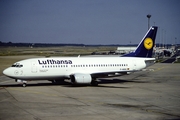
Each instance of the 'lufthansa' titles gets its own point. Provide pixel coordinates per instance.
(52, 61)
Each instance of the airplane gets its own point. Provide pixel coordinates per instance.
(84, 70)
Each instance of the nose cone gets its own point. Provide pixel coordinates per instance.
(7, 72)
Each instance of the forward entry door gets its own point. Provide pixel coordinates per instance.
(33, 67)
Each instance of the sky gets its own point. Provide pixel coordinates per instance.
(89, 22)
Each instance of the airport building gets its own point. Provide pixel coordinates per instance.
(125, 50)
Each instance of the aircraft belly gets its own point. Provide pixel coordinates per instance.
(40, 77)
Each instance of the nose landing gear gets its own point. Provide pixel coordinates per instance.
(22, 81)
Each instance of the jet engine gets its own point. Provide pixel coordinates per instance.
(81, 78)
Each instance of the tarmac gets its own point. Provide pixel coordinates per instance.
(153, 93)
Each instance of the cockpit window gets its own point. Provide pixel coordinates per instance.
(13, 65)
(18, 65)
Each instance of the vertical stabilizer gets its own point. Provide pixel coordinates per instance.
(145, 47)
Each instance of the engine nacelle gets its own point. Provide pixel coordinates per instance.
(81, 78)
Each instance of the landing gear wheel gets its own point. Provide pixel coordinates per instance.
(24, 84)
(53, 81)
(94, 83)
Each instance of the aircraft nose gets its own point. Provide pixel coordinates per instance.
(7, 72)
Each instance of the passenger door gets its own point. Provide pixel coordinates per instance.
(33, 67)
(134, 64)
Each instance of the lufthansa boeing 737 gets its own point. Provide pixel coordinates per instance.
(84, 70)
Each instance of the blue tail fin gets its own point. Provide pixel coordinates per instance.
(145, 47)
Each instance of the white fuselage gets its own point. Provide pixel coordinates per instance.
(63, 67)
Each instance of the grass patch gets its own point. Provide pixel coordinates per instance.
(53, 51)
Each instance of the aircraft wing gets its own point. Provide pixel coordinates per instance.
(110, 74)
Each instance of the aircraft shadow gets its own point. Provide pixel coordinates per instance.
(101, 83)
(109, 81)
(29, 84)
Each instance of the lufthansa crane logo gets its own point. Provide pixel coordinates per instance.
(148, 43)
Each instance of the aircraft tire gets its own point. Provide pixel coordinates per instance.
(24, 84)
(94, 83)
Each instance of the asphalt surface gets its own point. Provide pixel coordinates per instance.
(146, 95)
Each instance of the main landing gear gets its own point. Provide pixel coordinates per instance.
(24, 84)
(94, 83)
